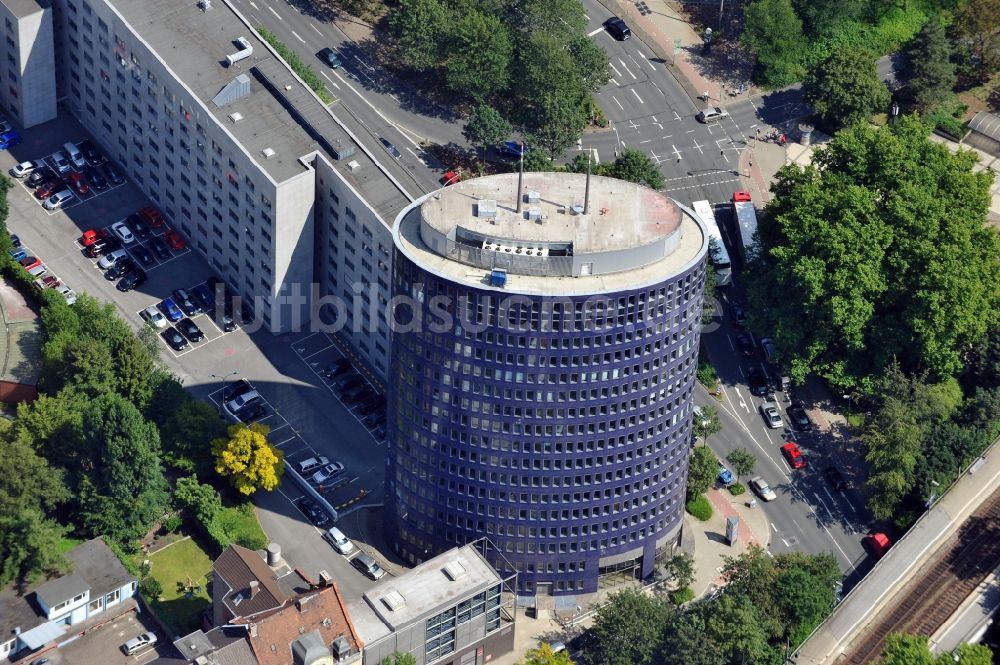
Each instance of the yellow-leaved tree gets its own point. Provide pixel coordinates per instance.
(248, 459)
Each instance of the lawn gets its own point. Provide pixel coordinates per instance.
(180, 566)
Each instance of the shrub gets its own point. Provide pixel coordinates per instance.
(707, 375)
(682, 595)
(304, 71)
(151, 588)
(172, 523)
(700, 508)
(237, 524)
(737, 488)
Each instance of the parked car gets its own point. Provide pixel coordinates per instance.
(119, 269)
(451, 176)
(757, 382)
(313, 512)
(374, 419)
(204, 295)
(48, 188)
(738, 313)
(139, 642)
(41, 175)
(311, 464)
(123, 232)
(151, 216)
(115, 176)
(67, 293)
(769, 412)
(174, 339)
(390, 148)
(18, 253)
(30, 262)
(111, 258)
(59, 199)
(90, 236)
(225, 321)
(712, 114)
(170, 308)
(348, 382)
(14, 240)
(336, 368)
(191, 330)
(174, 240)
(331, 470)
(798, 418)
(154, 317)
(835, 478)
(253, 412)
(745, 344)
(340, 542)
(140, 252)
(61, 161)
(512, 149)
(878, 543)
(762, 489)
(102, 245)
(236, 388)
(91, 152)
(767, 344)
(725, 476)
(186, 302)
(330, 57)
(78, 183)
(9, 139)
(368, 565)
(242, 401)
(617, 28)
(794, 456)
(96, 180)
(134, 278)
(159, 248)
(47, 282)
(138, 227)
(24, 168)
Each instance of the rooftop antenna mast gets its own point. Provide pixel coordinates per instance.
(520, 178)
(586, 192)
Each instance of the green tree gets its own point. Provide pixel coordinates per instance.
(824, 18)
(932, 76)
(591, 62)
(36, 484)
(742, 460)
(480, 53)
(563, 19)
(734, 624)
(686, 643)
(707, 423)
(420, 27)
(557, 124)
(543, 656)
(486, 127)
(976, 31)
(845, 88)
(969, 654)
(29, 546)
(628, 628)
(703, 467)
(187, 435)
(636, 166)
(882, 246)
(248, 459)
(535, 160)
(680, 568)
(773, 32)
(398, 658)
(903, 649)
(201, 499)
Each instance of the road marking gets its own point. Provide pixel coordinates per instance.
(730, 340)
(253, 5)
(618, 102)
(655, 121)
(677, 152)
(407, 148)
(615, 69)
(637, 96)
(297, 37)
(667, 136)
(616, 83)
(594, 32)
(676, 117)
(699, 148)
(646, 60)
(646, 141)
(316, 29)
(275, 13)
(329, 79)
(627, 69)
(597, 158)
(774, 527)
(786, 543)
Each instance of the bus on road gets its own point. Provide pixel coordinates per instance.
(746, 222)
(716, 247)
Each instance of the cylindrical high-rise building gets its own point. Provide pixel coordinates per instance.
(542, 367)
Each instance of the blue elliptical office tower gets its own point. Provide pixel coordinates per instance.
(545, 342)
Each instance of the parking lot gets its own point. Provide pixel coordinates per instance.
(102, 646)
(87, 180)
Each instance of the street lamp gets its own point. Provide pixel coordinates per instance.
(225, 379)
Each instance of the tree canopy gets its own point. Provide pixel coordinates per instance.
(903, 649)
(543, 655)
(977, 29)
(703, 467)
(932, 71)
(247, 459)
(845, 88)
(881, 245)
(773, 33)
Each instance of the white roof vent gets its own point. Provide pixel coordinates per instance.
(577, 209)
(534, 214)
(487, 209)
(353, 165)
(235, 116)
(455, 569)
(246, 50)
(268, 153)
(393, 600)
(533, 196)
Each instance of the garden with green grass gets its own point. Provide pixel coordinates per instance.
(182, 571)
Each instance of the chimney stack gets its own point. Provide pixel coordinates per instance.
(254, 588)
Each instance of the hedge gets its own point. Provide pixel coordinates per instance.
(700, 508)
(737, 488)
(682, 595)
(304, 71)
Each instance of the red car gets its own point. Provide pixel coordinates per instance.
(879, 543)
(48, 189)
(451, 177)
(49, 282)
(90, 236)
(77, 182)
(30, 262)
(151, 216)
(175, 240)
(793, 455)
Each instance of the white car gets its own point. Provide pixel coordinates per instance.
(155, 317)
(712, 114)
(58, 200)
(769, 411)
(61, 161)
(329, 471)
(67, 293)
(138, 642)
(122, 231)
(111, 258)
(24, 168)
(758, 485)
(311, 464)
(340, 542)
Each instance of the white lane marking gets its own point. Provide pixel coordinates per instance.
(316, 29)
(618, 102)
(656, 157)
(275, 13)
(774, 527)
(329, 79)
(786, 543)
(627, 69)
(364, 98)
(637, 96)
(616, 83)
(254, 5)
(646, 141)
(597, 157)
(297, 37)
(655, 120)
(676, 117)
(617, 73)
(729, 339)
(646, 60)
(594, 32)
(677, 152)
(407, 148)
(699, 148)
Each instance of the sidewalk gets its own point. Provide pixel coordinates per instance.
(710, 543)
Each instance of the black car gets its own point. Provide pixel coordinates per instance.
(252, 412)
(746, 345)
(225, 321)
(186, 302)
(835, 478)
(205, 296)
(138, 227)
(375, 418)
(40, 177)
(14, 240)
(119, 269)
(757, 382)
(236, 389)
(140, 252)
(617, 28)
(345, 383)
(190, 330)
(371, 404)
(132, 279)
(96, 180)
(738, 313)
(91, 152)
(313, 512)
(114, 175)
(799, 418)
(174, 339)
(330, 57)
(102, 246)
(159, 248)
(336, 368)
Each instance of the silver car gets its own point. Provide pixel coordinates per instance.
(712, 114)
(758, 485)
(769, 411)
(139, 642)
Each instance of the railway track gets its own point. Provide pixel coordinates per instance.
(954, 573)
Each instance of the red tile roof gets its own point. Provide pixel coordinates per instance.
(237, 567)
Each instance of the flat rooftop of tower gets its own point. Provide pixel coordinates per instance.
(630, 236)
(620, 215)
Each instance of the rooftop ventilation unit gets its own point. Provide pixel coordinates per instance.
(353, 165)
(486, 209)
(236, 89)
(324, 578)
(534, 214)
(577, 209)
(235, 116)
(246, 50)
(205, 5)
(341, 648)
(456, 569)
(532, 196)
(393, 600)
(268, 153)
